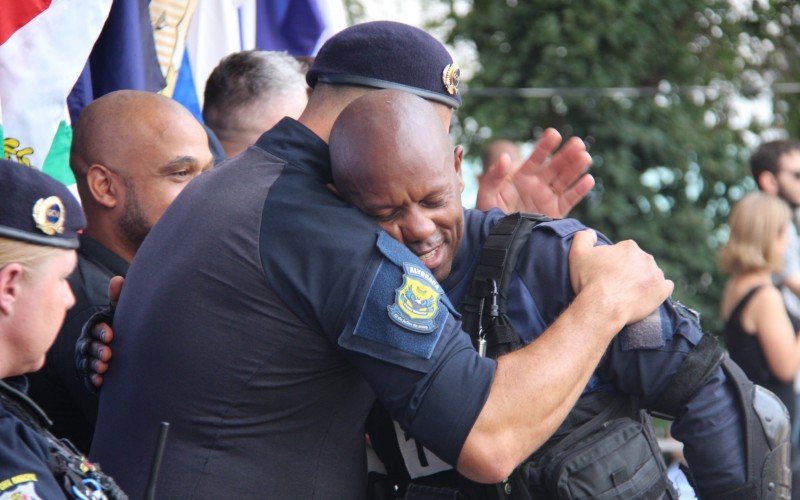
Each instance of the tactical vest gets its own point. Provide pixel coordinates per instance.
(77, 477)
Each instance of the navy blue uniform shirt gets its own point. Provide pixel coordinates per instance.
(641, 360)
(260, 317)
(24, 456)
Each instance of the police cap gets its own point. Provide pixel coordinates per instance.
(388, 55)
(35, 208)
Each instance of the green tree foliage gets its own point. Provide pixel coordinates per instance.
(667, 161)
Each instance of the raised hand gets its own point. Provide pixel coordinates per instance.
(548, 183)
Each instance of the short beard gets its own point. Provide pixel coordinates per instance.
(133, 225)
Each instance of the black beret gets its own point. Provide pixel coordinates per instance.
(35, 208)
(388, 55)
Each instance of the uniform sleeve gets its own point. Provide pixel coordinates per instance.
(642, 360)
(376, 301)
(710, 424)
(24, 471)
(405, 338)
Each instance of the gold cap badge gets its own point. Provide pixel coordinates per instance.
(450, 77)
(49, 215)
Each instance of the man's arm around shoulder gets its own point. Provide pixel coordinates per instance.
(535, 387)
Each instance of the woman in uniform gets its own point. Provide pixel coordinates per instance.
(39, 224)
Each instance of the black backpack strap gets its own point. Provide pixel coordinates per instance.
(484, 312)
(700, 364)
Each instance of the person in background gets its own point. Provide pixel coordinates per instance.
(249, 92)
(758, 332)
(775, 167)
(39, 224)
(132, 154)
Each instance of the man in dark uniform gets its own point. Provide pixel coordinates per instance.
(132, 153)
(386, 160)
(262, 316)
(39, 224)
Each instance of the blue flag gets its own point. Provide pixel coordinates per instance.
(293, 26)
(124, 57)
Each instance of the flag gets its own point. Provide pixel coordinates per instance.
(170, 20)
(221, 27)
(124, 57)
(293, 26)
(213, 34)
(44, 45)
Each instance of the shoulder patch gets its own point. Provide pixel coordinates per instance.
(19, 487)
(405, 310)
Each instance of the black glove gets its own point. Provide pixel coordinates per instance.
(85, 352)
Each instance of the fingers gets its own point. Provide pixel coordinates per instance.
(99, 367)
(545, 146)
(584, 240)
(115, 289)
(567, 166)
(574, 194)
(100, 351)
(670, 288)
(498, 172)
(97, 380)
(103, 332)
(491, 185)
(582, 244)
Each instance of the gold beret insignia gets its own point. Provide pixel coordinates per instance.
(49, 215)
(450, 77)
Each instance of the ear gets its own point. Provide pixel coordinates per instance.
(459, 156)
(104, 185)
(10, 287)
(768, 183)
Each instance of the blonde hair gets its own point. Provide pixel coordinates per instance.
(28, 255)
(755, 222)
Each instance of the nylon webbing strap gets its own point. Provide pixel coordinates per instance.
(697, 367)
(496, 263)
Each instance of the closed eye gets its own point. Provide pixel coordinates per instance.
(387, 217)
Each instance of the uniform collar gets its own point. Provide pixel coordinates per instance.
(292, 141)
(15, 400)
(97, 252)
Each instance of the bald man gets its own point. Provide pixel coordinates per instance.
(390, 160)
(132, 154)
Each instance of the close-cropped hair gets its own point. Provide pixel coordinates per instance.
(755, 223)
(768, 155)
(247, 76)
(28, 255)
